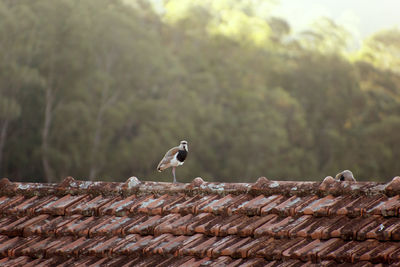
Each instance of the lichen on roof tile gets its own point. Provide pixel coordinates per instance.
(268, 222)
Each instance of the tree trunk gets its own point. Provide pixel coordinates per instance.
(106, 102)
(48, 171)
(3, 134)
(96, 143)
(107, 99)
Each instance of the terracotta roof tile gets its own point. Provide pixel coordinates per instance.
(200, 223)
(32, 207)
(7, 202)
(217, 206)
(269, 223)
(19, 261)
(268, 208)
(112, 226)
(395, 233)
(89, 208)
(388, 208)
(253, 205)
(57, 207)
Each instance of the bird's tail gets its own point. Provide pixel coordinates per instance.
(159, 167)
(162, 166)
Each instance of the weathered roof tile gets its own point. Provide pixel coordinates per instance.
(88, 208)
(254, 205)
(269, 223)
(58, 206)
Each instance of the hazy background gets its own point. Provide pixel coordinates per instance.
(361, 17)
(290, 90)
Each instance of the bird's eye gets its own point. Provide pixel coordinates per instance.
(342, 178)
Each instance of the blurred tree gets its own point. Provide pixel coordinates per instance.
(279, 29)
(382, 49)
(100, 90)
(325, 36)
(14, 72)
(9, 110)
(58, 45)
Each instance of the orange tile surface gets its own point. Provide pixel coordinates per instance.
(267, 223)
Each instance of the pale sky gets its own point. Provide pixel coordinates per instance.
(360, 17)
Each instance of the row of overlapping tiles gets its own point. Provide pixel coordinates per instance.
(201, 246)
(277, 216)
(160, 261)
(180, 203)
(163, 261)
(306, 226)
(272, 227)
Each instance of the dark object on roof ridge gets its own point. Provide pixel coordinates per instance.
(263, 186)
(345, 175)
(4, 182)
(197, 182)
(393, 185)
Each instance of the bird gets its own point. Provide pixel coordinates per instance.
(174, 157)
(345, 175)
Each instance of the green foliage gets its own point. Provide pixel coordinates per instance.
(119, 84)
(382, 50)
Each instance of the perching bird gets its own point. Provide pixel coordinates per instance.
(174, 158)
(345, 175)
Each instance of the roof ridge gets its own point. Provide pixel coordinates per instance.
(262, 186)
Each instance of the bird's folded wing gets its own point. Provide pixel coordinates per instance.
(168, 156)
(164, 161)
(171, 152)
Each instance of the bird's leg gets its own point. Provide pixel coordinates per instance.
(173, 172)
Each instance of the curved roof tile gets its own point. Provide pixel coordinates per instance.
(267, 223)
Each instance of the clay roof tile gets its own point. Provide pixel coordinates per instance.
(267, 223)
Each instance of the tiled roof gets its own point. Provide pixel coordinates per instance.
(268, 223)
